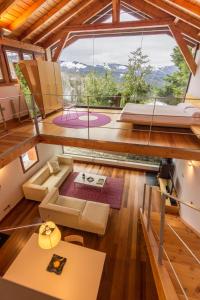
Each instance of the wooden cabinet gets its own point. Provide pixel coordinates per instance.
(45, 83)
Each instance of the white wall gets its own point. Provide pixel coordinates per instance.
(194, 86)
(12, 176)
(189, 179)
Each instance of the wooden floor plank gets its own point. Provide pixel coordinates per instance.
(119, 242)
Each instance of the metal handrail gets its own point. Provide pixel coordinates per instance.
(174, 271)
(164, 196)
(180, 201)
(161, 250)
(185, 245)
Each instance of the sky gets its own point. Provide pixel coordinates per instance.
(116, 49)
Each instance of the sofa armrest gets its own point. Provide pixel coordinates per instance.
(34, 191)
(50, 197)
(66, 160)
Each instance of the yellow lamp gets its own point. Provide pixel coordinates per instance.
(49, 235)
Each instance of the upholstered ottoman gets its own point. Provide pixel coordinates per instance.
(95, 217)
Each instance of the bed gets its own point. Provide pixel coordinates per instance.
(182, 115)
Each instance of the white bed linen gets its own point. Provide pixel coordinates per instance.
(181, 115)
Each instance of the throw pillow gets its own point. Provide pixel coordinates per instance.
(54, 166)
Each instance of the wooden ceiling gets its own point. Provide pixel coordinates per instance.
(59, 22)
(37, 21)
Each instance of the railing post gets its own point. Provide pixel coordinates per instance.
(162, 226)
(149, 209)
(35, 115)
(88, 111)
(144, 197)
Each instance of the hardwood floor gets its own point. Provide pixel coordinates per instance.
(115, 136)
(119, 242)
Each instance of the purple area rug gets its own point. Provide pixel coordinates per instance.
(111, 192)
(80, 120)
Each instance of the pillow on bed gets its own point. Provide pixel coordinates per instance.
(196, 114)
(182, 105)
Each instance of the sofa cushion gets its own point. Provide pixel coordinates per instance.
(96, 213)
(71, 202)
(50, 182)
(54, 166)
(41, 176)
(67, 210)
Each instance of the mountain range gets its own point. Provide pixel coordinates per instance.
(156, 78)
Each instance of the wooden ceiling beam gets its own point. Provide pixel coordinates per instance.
(184, 49)
(187, 6)
(44, 19)
(142, 24)
(146, 23)
(5, 5)
(115, 11)
(153, 12)
(188, 30)
(74, 37)
(133, 12)
(22, 19)
(94, 19)
(59, 48)
(20, 45)
(166, 7)
(146, 8)
(84, 17)
(63, 20)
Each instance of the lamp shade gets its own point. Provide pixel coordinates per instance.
(49, 235)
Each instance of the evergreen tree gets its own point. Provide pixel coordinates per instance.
(135, 87)
(176, 83)
(99, 88)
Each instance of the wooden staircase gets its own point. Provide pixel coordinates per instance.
(186, 266)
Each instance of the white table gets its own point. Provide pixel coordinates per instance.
(80, 180)
(80, 277)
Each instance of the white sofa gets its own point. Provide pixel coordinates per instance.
(75, 213)
(38, 186)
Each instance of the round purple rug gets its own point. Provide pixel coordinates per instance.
(80, 120)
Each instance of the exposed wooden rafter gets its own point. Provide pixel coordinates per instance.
(116, 11)
(44, 19)
(21, 45)
(91, 20)
(5, 5)
(148, 31)
(150, 23)
(22, 19)
(166, 7)
(59, 48)
(133, 12)
(146, 8)
(64, 19)
(85, 16)
(187, 6)
(184, 49)
(154, 11)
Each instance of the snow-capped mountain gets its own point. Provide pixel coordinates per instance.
(118, 71)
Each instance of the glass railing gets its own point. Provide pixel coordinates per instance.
(149, 121)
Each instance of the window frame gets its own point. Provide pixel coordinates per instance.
(22, 163)
(20, 53)
(16, 50)
(27, 52)
(3, 67)
(2, 72)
